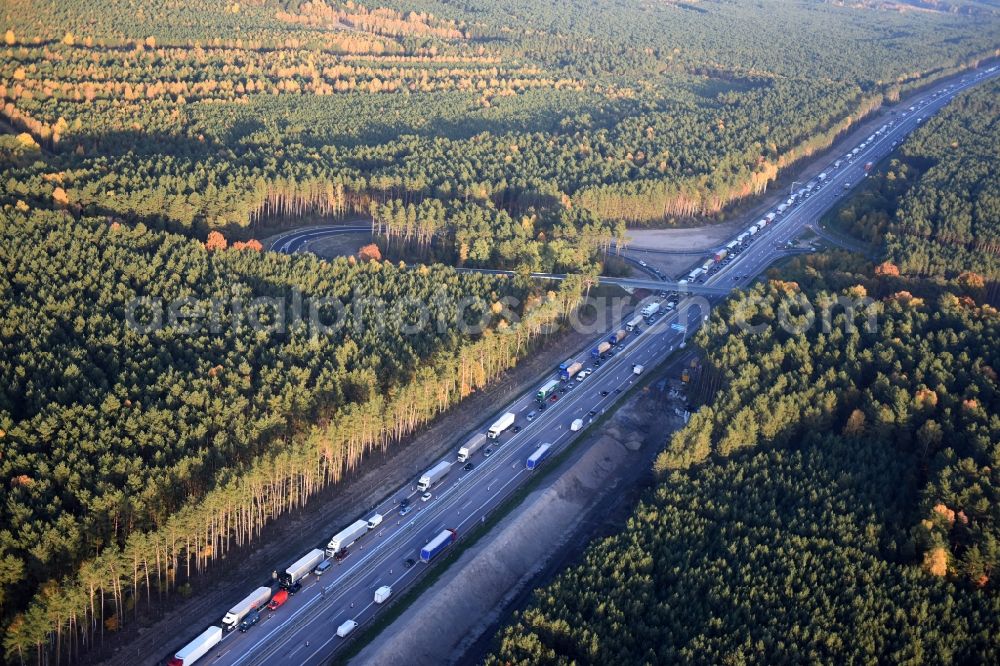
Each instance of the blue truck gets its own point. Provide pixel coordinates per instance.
(540, 454)
(437, 544)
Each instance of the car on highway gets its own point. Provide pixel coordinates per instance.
(531, 416)
(322, 567)
(409, 562)
(487, 453)
(554, 398)
(469, 467)
(250, 620)
(296, 587)
(341, 554)
(642, 263)
(592, 413)
(405, 510)
(426, 497)
(516, 429)
(280, 597)
(604, 394)
(541, 407)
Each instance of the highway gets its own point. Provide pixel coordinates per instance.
(303, 630)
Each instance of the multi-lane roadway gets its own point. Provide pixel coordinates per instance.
(303, 631)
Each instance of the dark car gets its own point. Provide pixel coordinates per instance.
(592, 413)
(517, 429)
(341, 554)
(250, 620)
(404, 502)
(541, 407)
(563, 389)
(409, 563)
(487, 453)
(295, 588)
(617, 391)
(604, 394)
(469, 467)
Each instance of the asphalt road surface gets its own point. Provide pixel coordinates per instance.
(303, 630)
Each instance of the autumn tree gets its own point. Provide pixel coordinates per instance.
(215, 241)
(370, 252)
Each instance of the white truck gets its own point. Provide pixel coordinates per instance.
(301, 568)
(475, 443)
(382, 594)
(822, 177)
(782, 208)
(256, 599)
(576, 425)
(502, 423)
(346, 628)
(375, 521)
(634, 324)
(637, 369)
(652, 308)
(433, 475)
(197, 648)
(345, 537)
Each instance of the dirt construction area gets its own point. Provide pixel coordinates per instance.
(588, 495)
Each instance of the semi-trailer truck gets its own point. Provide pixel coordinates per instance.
(197, 648)
(301, 568)
(437, 544)
(256, 599)
(433, 475)
(650, 309)
(565, 364)
(547, 389)
(600, 350)
(347, 536)
(742, 238)
(567, 373)
(475, 443)
(502, 423)
(721, 254)
(634, 324)
(540, 454)
(707, 265)
(616, 337)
